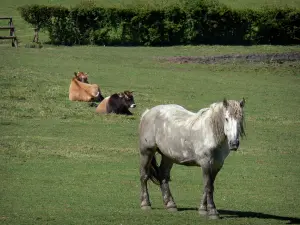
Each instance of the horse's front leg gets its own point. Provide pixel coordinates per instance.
(203, 204)
(207, 205)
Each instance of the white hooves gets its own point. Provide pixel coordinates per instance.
(202, 212)
(214, 217)
(172, 209)
(146, 207)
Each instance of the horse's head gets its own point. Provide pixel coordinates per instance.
(127, 98)
(82, 77)
(233, 122)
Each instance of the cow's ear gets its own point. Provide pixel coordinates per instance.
(75, 74)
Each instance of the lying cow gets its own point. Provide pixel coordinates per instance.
(81, 90)
(118, 103)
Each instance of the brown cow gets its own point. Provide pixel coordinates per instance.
(81, 76)
(81, 90)
(118, 103)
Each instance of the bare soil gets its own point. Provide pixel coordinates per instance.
(269, 58)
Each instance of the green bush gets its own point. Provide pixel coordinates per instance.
(195, 22)
(107, 36)
(64, 31)
(278, 26)
(40, 15)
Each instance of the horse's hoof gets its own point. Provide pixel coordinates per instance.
(146, 207)
(214, 216)
(202, 212)
(171, 206)
(172, 209)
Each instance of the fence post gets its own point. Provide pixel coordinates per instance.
(12, 33)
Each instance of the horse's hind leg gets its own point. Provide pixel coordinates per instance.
(145, 160)
(164, 173)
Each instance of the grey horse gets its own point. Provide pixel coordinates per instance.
(202, 139)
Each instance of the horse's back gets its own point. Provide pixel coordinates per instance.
(160, 111)
(157, 119)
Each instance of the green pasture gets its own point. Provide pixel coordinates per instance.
(61, 163)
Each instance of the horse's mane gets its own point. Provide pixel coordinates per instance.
(217, 117)
(238, 113)
(215, 113)
(217, 120)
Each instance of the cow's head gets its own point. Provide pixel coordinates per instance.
(99, 97)
(127, 99)
(82, 77)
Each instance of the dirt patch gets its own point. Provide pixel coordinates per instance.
(270, 57)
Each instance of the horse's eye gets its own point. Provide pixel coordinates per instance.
(226, 119)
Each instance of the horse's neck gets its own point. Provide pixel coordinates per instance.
(200, 119)
(217, 122)
(211, 120)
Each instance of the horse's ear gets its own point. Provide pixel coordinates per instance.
(242, 102)
(225, 103)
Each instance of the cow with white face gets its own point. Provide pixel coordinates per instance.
(118, 103)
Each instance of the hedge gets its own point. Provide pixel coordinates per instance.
(203, 23)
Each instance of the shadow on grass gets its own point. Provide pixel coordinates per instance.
(247, 214)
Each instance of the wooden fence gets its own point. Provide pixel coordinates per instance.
(12, 33)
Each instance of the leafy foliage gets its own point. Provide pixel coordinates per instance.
(196, 22)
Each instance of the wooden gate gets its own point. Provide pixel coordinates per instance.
(12, 33)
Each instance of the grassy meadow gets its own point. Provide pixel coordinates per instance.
(63, 164)
(60, 163)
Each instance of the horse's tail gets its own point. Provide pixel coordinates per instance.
(144, 113)
(154, 171)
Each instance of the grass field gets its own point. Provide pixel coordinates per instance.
(60, 163)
